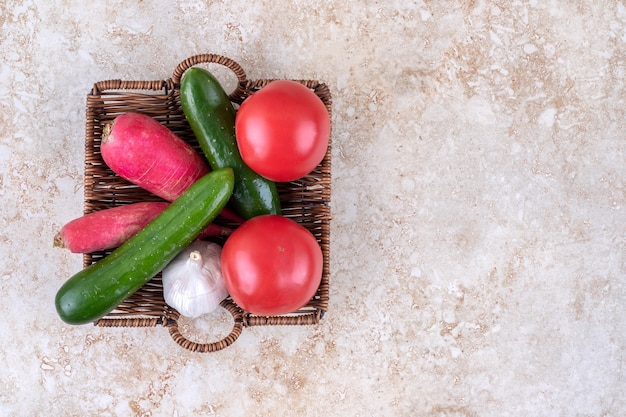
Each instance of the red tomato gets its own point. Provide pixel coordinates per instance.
(272, 265)
(283, 131)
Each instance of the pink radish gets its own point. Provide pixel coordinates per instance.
(143, 151)
(146, 153)
(109, 228)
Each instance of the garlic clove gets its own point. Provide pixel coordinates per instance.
(193, 283)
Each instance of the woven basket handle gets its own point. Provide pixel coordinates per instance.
(213, 346)
(237, 95)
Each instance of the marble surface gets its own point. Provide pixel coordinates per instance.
(478, 256)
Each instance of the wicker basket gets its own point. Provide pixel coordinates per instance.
(306, 200)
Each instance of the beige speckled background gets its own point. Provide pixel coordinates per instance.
(478, 255)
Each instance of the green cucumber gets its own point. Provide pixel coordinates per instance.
(211, 116)
(96, 290)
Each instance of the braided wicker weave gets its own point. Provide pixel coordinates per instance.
(306, 200)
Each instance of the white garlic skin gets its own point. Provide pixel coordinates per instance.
(193, 284)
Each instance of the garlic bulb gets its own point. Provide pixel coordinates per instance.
(192, 282)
